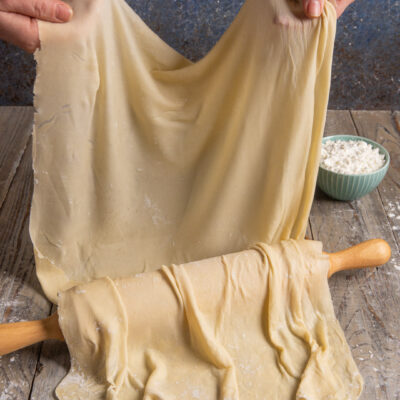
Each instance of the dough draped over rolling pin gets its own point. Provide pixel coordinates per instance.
(258, 324)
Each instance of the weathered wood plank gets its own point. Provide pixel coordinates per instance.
(54, 363)
(339, 122)
(380, 126)
(15, 130)
(383, 127)
(20, 295)
(366, 302)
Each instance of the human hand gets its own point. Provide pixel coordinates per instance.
(18, 20)
(313, 8)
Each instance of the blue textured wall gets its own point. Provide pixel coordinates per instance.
(366, 63)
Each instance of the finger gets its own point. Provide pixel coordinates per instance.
(341, 5)
(19, 30)
(313, 8)
(47, 10)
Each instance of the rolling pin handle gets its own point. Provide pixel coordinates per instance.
(15, 336)
(370, 253)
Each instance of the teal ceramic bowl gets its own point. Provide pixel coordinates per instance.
(351, 187)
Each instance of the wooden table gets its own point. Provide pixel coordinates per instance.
(367, 303)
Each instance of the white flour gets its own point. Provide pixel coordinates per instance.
(351, 157)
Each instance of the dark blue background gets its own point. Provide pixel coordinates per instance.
(366, 62)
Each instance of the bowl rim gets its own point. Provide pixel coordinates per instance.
(359, 138)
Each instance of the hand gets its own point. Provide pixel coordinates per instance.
(18, 20)
(313, 8)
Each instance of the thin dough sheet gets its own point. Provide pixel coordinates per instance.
(143, 158)
(258, 324)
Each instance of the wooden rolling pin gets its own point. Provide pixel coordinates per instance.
(17, 335)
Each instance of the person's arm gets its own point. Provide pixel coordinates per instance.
(313, 8)
(18, 20)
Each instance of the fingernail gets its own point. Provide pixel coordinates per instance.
(63, 12)
(314, 8)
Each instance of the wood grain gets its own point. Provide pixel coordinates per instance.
(54, 363)
(20, 294)
(366, 302)
(15, 130)
(382, 127)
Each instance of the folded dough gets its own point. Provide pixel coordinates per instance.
(143, 158)
(258, 324)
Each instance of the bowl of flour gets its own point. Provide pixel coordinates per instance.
(351, 166)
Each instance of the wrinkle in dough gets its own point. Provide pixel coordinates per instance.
(279, 341)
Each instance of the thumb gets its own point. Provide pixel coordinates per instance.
(313, 8)
(47, 10)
